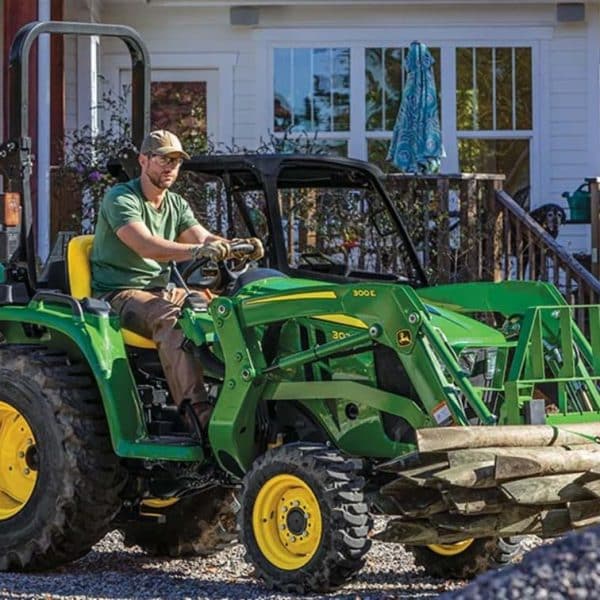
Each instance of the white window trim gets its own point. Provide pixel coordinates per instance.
(223, 62)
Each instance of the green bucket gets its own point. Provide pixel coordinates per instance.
(579, 204)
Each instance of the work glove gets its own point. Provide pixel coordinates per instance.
(257, 253)
(216, 250)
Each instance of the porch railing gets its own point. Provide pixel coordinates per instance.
(469, 229)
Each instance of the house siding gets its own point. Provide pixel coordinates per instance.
(566, 58)
(568, 101)
(204, 31)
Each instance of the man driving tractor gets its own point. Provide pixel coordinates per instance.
(142, 225)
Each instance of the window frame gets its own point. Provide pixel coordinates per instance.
(447, 40)
(269, 85)
(213, 66)
(504, 134)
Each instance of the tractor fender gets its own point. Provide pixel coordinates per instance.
(62, 324)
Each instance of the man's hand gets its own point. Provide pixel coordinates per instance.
(216, 250)
(257, 253)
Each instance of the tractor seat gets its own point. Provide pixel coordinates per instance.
(79, 274)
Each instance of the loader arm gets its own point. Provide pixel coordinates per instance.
(391, 316)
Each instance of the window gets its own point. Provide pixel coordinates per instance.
(346, 100)
(312, 89)
(493, 89)
(494, 112)
(184, 97)
(312, 96)
(385, 77)
(339, 230)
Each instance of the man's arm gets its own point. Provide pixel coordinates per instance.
(196, 234)
(200, 235)
(139, 238)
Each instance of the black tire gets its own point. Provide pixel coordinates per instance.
(342, 516)
(76, 493)
(197, 525)
(482, 555)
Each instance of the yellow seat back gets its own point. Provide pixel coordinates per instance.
(79, 270)
(79, 273)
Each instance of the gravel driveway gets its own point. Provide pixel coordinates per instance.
(112, 571)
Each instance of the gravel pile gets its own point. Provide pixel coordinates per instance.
(567, 568)
(112, 571)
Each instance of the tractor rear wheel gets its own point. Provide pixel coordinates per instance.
(465, 560)
(303, 520)
(196, 525)
(59, 477)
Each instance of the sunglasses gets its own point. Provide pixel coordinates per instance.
(168, 161)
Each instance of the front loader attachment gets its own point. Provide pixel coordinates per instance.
(538, 470)
(474, 482)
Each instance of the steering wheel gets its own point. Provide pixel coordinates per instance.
(219, 273)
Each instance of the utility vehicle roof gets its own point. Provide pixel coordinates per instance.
(248, 171)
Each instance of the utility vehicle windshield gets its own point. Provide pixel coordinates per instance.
(342, 231)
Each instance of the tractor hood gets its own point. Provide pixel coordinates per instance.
(459, 330)
(462, 331)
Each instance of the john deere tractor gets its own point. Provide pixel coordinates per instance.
(343, 384)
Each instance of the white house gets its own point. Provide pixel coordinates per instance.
(519, 82)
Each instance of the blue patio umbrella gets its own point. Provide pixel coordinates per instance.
(416, 145)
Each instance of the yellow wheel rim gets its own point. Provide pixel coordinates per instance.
(286, 521)
(451, 549)
(159, 502)
(18, 466)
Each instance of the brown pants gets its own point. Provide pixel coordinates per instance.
(154, 315)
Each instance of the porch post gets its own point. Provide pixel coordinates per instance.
(595, 216)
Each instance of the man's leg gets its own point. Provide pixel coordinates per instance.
(154, 314)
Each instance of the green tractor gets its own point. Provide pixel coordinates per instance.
(343, 385)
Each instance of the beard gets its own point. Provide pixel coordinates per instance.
(161, 181)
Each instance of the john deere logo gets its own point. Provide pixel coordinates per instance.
(404, 337)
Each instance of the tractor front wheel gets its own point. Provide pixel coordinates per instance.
(466, 559)
(303, 519)
(59, 477)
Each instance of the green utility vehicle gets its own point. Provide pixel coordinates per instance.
(343, 385)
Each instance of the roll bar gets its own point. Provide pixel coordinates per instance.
(18, 109)
(18, 70)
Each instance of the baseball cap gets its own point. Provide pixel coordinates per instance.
(162, 142)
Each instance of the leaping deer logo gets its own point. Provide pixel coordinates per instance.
(404, 337)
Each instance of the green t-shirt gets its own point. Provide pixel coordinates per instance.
(115, 265)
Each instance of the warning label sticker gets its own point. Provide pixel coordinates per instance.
(442, 415)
